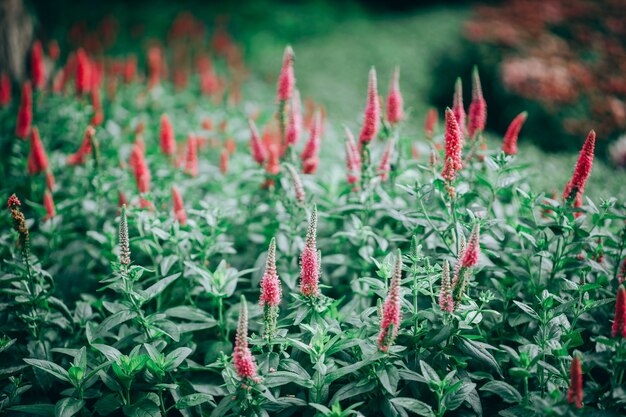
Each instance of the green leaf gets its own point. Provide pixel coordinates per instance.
(416, 406)
(504, 390)
(176, 357)
(109, 352)
(49, 367)
(454, 398)
(142, 408)
(192, 400)
(113, 321)
(527, 309)
(46, 410)
(157, 288)
(429, 373)
(67, 407)
(477, 351)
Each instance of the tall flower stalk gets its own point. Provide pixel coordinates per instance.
(309, 260)
(392, 310)
(244, 363)
(271, 293)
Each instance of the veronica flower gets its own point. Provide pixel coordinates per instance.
(242, 357)
(311, 150)
(353, 159)
(575, 392)
(259, 153)
(371, 119)
(294, 124)
(124, 241)
(80, 156)
(38, 68)
(37, 158)
(25, 112)
(477, 108)
(19, 224)
(509, 146)
(385, 162)
(309, 261)
(5, 89)
(271, 292)
(576, 186)
(457, 105)
(453, 160)
(286, 79)
(224, 161)
(430, 122)
(392, 310)
(297, 184)
(48, 204)
(395, 112)
(472, 251)
(619, 320)
(191, 159)
(142, 172)
(83, 72)
(179, 207)
(445, 296)
(168, 142)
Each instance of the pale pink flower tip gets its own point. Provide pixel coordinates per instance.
(477, 108)
(286, 79)
(353, 159)
(395, 111)
(191, 159)
(271, 292)
(392, 310)
(453, 160)
(168, 142)
(259, 153)
(179, 207)
(311, 150)
(371, 119)
(309, 261)
(48, 203)
(445, 296)
(385, 162)
(242, 357)
(294, 124)
(457, 105)
(509, 146)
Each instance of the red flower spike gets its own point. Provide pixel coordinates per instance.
(168, 141)
(392, 310)
(271, 291)
(477, 108)
(312, 147)
(37, 158)
(83, 72)
(286, 79)
(619, 320)
(38, 68)
(48, 204)
(49, 180)
(395, 111)
(453, 160)
(472, 251)
(141, 170)
(457, 105)
(273, 160)
(309, 260)
(353, 159)
(179, 207)
(121, 199)
(191, 158)
(25, 112)
(583, 169)
(224, 161)
(371, 119)
(5, 90)
(154, 66)
(98, 116)
(243, 360)
(130, 69)
(509, 146)
(259, 153)
(575, 393)
(53, 50)
(430, 123)
(80, 157)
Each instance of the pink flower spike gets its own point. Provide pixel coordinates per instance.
(168, 141)
(353, 159)
(142, 172)
(309, 261)
(294, 125)
(619, 319)
(453, 160)
(430, 123)
(509, 146)
(5, 89)
(25, 112)
(445, 296)
(385, 162)
(242, 357)
(392, 310)
(37, 66)
(477, 108)
(312, 147)
(179, 207)
(395, 111)
(286, 79)
(575, 392)
(191, 159)
(583, 169)
(472, 251)
(271, 292)
(37, 158)
(371, 119)
(457, 105)
(259, 153)
(48, 203)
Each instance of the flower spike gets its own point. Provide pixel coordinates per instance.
(309, 261)
(477, 108)
(392, 310)
(371, 119)
(242, 357)
(509, 146)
